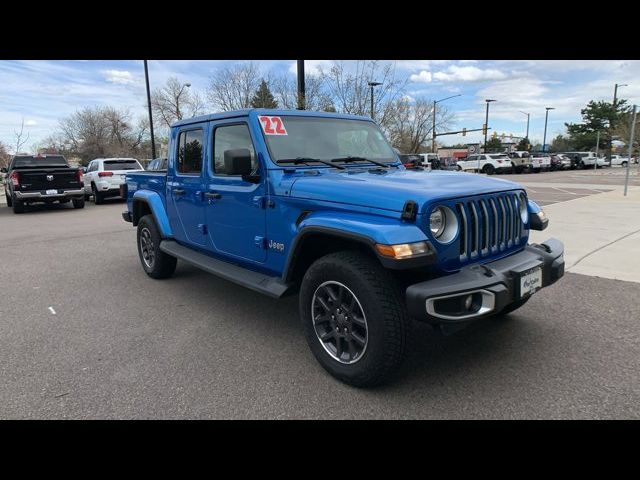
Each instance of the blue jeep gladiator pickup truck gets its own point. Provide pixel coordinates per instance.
(286, 201)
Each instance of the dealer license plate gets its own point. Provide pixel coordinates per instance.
(51, 192)
(530, 282)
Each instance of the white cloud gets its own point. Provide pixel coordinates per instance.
(122, 77)
(30, 123)
(423, 77)
(311, 67)
(468, 74)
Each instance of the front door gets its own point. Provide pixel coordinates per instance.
(185, 201)
(235, 209)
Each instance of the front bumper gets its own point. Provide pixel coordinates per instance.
(42, 197)
(493, 285)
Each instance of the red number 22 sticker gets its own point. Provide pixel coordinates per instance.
(272, 125)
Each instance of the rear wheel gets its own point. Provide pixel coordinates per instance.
(18, 206)
(155, 262)
(624, 164)
(78, 202)
(9, 201)
(354, 318)
(488, 169)
(97, 197)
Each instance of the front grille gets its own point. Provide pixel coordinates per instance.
(488, 225)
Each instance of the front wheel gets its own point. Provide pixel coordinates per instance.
(354, 318)
(155, 262)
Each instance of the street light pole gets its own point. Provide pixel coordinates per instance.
(153, 141)
(486, 123)
(633, 131)
(544, 138)
(527, 134)
(371, 85)
(433, 128)
(615, 102)
(178, 114)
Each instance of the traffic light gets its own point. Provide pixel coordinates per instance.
(464, 132)
(484, 128)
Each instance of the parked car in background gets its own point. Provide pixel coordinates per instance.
(448, 163)
(489, 163)
(157, 164)
(556, 162)
(104, 176)
(565, 161)
(42, 179)
(411, 160)
(520, 161)
(540, 162)
(431, 160)
(583, 159)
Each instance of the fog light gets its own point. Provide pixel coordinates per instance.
(468, 302)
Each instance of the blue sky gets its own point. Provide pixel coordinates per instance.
(43, 91)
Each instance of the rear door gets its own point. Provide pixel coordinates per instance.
(185, 186)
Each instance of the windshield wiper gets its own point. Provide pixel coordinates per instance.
(350, 159)
(306, 160)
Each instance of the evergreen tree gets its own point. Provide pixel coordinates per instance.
(263, 97)
(523, 144)
(494, 145)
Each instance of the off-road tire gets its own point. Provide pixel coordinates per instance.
(78, 202)
(383, 304)
(163, 265)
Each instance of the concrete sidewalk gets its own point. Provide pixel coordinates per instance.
(601, 233)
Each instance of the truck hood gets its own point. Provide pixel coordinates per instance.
(390, 189)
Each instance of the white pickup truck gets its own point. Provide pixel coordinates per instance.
(619, 160)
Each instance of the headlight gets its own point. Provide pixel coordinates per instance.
(403, 250)
(524, 212)
(437, 222)
(443, 224)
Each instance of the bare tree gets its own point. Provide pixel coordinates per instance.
(174, 102)
(410, 123)
(285, 90)
(350, 92)
(20, 138)
(232, 88)
(101, 132)
(5, 156)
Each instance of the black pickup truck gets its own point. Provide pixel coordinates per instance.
(42, 179)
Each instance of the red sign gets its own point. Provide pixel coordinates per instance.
(272, 125)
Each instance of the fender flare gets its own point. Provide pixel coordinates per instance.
(365, 229)
(155, 204)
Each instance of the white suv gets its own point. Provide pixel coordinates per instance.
(104, 176)
(486, 163)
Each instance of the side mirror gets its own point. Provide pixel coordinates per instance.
(238, 162)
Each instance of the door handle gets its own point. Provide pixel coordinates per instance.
(215, 195)
(178, 191)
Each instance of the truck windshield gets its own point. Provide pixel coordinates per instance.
(328, 139)
(23, 161)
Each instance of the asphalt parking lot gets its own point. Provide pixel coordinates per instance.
(84, 333)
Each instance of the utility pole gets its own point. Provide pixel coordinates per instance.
(615, 103)
(633, 131)
(371, 85)
(544, 138)
(301, 87)
(486, 122)
(153, 141)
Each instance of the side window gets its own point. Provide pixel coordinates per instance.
(189, 158)
(92, 166)
(231, 137)
(471, 158)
